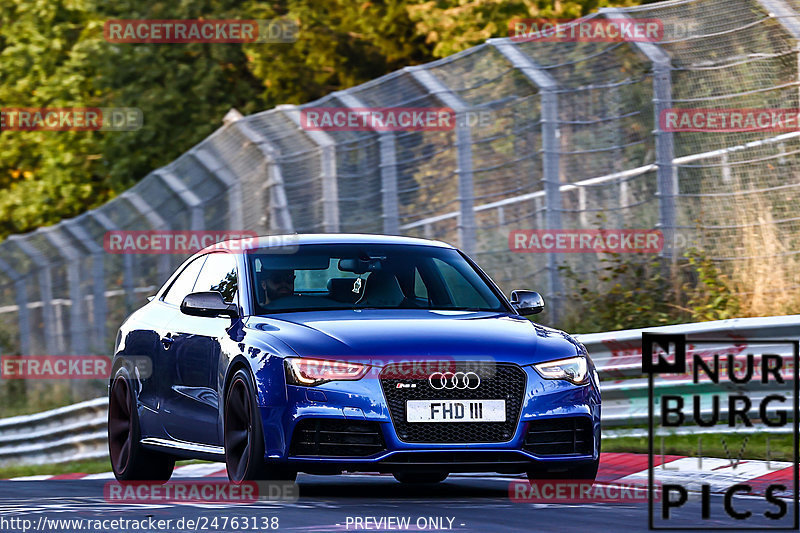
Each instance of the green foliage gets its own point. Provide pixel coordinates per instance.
(632, 292)
(340, 44)
(629, 293)
(452, 26)
(53, 54)
(711, 297)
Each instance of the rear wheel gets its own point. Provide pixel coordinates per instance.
(130, 461)
(420, 477)
(244, 437)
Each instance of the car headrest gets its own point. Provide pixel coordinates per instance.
(341, 290)
(382, 290)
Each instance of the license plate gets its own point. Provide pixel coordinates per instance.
(455, 411)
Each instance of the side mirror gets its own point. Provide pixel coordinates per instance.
(207, 304)
(527, 302)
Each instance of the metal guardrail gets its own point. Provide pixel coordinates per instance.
(618, 357)
(65, 434)
(79, 431)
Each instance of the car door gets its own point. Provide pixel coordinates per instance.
(191, 408)
(151, 339)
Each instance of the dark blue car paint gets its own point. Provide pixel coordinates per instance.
(183, 399)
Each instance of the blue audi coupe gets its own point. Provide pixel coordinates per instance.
(332, 353)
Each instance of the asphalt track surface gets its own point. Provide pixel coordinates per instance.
(473, 503)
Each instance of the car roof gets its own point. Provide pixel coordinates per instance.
(266, 241)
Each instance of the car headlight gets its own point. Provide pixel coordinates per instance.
(572, 369)
(312, 372)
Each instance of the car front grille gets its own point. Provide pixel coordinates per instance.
(326, 437)
(500, 381)
(560, 436)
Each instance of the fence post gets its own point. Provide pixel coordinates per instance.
(388, 165)
(156, 221)
(98, 281)
(78, 326)
(279, 206)
(666, 174)
(127, 260)
(665, 153)
(788, 18)
(45, 288)
(552, 191)
(551, 155)
(466, 191)
(784, 14)
(231, 184)
(23, 315)
(327, 152)
(189, 198)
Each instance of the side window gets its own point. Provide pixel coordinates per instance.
(184, 282)
(219, 274)
(420, 290)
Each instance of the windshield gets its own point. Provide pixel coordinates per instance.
(358, 276)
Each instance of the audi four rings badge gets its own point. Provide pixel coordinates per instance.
(458, 380)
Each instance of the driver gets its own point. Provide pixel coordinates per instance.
(277, 284)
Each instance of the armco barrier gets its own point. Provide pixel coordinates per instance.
(65, 434)
(618, 357)
(79, 431)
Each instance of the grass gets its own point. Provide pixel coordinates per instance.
(766, 280)
(89, 466)
(25, 397)
(722, 446)
(33, 408)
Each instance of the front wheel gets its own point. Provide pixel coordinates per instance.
(420, 477)
(244, 437)
(130, 461)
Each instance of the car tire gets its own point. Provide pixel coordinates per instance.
(244, 436)
(417, 478)
(585, 471)
(130, 461)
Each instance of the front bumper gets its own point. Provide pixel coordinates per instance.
(543, 402)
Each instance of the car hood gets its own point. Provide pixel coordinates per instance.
(393, 334)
